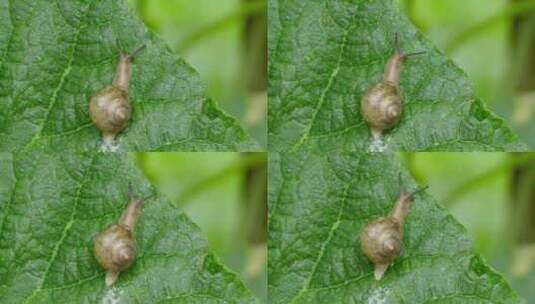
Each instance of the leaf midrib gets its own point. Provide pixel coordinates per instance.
(330, 235)
(83, 23)
(66, 229)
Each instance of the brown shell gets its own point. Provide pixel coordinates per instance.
(380, 240)
(381, 106)
(110, 110)
(115, 247)
(115, 250)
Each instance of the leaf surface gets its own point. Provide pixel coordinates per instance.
(51, 205)
(317, 207)
(325, 54)
(55, 54)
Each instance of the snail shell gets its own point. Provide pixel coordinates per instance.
(381, 239)
(110, 108)
(115, 251)
(381, 243)
(381, 105)
(115, 247)
(110, 111)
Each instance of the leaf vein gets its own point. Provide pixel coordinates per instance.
(77, 283)
(397, 262)
(64, 75)
(66, 229)
(332, 230)
(9, 9)
(9, 202)
(327, 88)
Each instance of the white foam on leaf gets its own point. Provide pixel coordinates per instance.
(378, 296)
(108, 147)
(112, 296)
(377, 145)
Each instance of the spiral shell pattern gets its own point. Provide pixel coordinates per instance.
(381, 240)
(115, 249)
(381, 106)
(110, 110)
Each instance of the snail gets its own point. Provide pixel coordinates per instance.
(115, 247)
(381, 239)
(381, 103)
(109, 108)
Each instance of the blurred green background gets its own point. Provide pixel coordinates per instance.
(226, 42)
(493, 196)
(226, 195)
(494, 42)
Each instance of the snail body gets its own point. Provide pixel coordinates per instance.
(381, 239)
(381, 104)
(110, 108)
(115, 248)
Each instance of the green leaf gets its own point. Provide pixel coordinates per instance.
(55, 54)
(51, 205)
(317, 208)
(325, 54)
